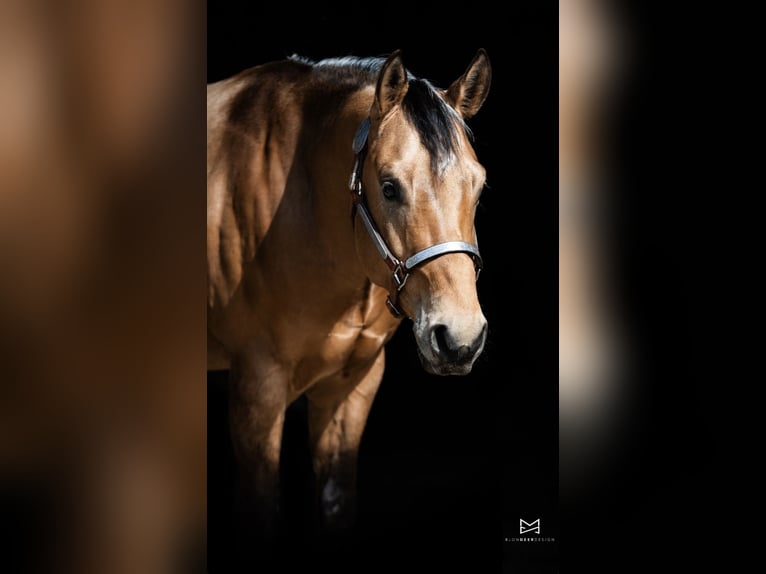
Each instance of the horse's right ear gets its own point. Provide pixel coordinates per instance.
(468, 92)
(392, 85)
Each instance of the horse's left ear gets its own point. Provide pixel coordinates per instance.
(468, 92)
(392, 84)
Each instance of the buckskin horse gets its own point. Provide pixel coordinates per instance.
(341, 200)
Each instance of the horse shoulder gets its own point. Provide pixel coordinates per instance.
(254, 121)
(250, 152)
(223, 240)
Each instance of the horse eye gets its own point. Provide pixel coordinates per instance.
(390, 191)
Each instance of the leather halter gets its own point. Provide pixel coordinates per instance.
(400, 269)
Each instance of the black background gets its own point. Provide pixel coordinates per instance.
(447, 465)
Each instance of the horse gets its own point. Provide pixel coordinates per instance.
(341, 201)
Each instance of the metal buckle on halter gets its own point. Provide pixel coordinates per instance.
(400, 276)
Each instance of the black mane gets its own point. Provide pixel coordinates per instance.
(437, 124)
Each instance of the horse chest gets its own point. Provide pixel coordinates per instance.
(342, 351)
(358, 346)
(336, 350)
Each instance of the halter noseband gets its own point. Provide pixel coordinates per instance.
(400, 270)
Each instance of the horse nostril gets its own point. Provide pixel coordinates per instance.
(447, 349)
(439, 341)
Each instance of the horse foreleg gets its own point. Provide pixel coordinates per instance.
(338, 409)
(257, 412)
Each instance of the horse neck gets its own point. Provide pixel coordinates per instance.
(330, 169)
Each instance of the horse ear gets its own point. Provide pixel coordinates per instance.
(392, 84)
(468, 92)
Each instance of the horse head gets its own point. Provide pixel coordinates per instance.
(421, 183)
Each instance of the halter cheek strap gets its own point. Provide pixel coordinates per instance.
(400, 269)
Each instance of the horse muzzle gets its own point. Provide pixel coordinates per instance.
(450, 350)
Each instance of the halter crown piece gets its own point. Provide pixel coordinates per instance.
(400, 269)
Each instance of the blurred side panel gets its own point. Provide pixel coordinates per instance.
(593, 341)
(640, 428)
(102, 284)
